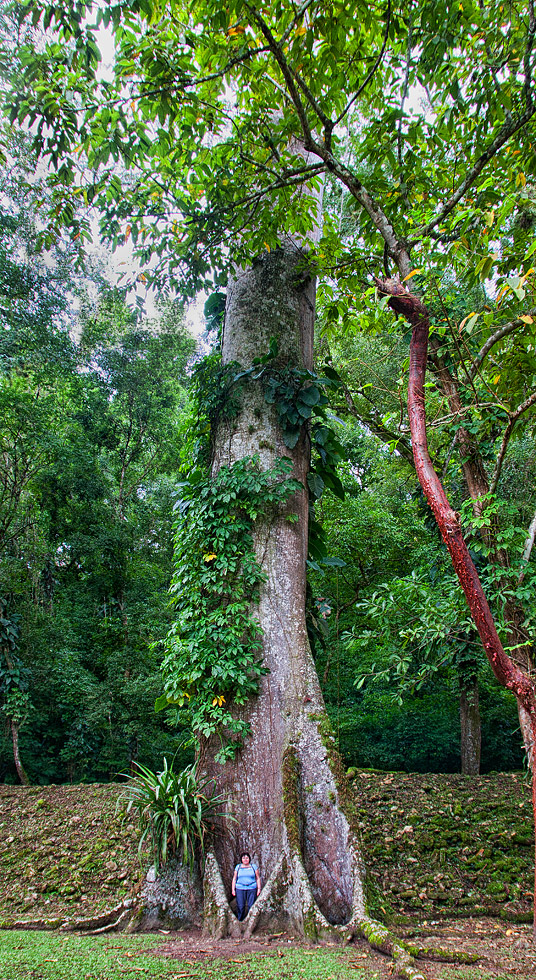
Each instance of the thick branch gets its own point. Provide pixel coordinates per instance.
(397, 248)
(507, 328)
(277, 52)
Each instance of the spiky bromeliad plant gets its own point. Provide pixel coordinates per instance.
(174, 810)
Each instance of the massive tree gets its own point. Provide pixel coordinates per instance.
(419, 114)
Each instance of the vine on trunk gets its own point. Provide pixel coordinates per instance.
(212, 659)
(300, 398)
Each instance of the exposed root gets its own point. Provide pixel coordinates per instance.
(444, 955)
(287, 900)
(218, 919)
(112, 919)
(106, 921)
(124, 919)
(381, 939)
(44, 925)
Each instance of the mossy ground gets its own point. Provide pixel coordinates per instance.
(440, 850)
(447, 845)
(434, 845)
(64, 852)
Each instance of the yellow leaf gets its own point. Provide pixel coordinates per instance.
(521, 180)
(233, 31)
(267, 247)
(526, 319)
(209, 557)
(501, 293)
(415, 272)
(301, 31)
(470, 319)
(219, 700)
(142, 277)
(128, 229)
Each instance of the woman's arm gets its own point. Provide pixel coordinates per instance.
(233, 883)
(258, 877)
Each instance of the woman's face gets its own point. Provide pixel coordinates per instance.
(245, 859)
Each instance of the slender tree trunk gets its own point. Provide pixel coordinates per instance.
(477, 483)
(470, 741)
(506, 671)
(21, 772)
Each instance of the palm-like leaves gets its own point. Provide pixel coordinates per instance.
(174, 812)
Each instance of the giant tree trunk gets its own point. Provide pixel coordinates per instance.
(286, 788)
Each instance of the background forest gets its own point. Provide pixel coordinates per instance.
(98, 413)
(102, 418)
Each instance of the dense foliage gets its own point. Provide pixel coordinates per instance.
(91, 402)
(418, 119)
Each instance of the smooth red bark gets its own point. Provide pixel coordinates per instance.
(506, 672)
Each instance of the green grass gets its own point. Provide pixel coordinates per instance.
(49, 956)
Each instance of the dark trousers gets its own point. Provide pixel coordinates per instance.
(244, 900)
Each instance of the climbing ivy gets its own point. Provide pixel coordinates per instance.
(212, 652)
(217, 396)
(300, 398)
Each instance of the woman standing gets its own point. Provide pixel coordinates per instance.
(246, 885)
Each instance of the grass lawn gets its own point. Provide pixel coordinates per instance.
(49, 956)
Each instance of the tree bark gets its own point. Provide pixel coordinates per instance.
(470, 741)
(21, 772)
(506, 671)
(287, 790)
(478, 486)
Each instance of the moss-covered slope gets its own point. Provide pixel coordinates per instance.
(64, 852)
(434, 845)
(447, 845)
